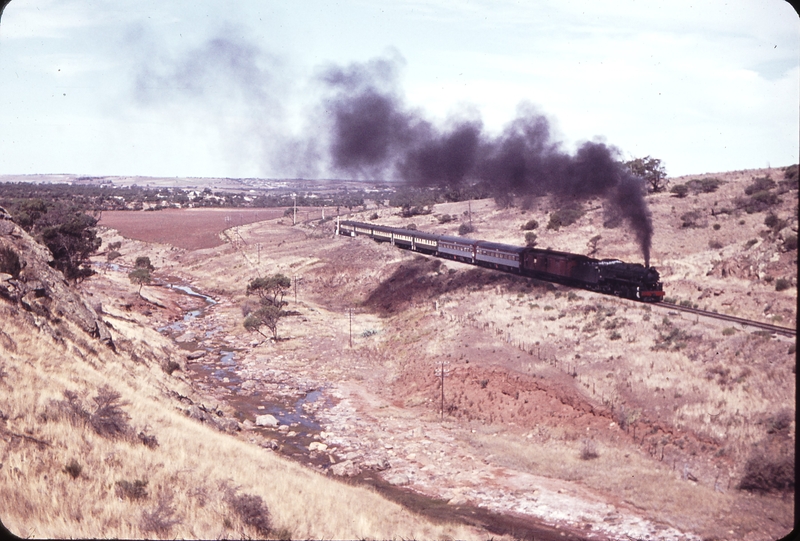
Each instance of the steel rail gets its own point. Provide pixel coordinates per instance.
(786, 331)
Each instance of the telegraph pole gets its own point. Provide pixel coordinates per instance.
(294, 214)
(441, 375)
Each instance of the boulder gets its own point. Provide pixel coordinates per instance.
(196, 354)
(267, 420)
(317, 446)
(398, 479)
(348, 468)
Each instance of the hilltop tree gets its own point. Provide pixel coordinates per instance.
(652, 171)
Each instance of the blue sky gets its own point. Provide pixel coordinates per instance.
(123, 87)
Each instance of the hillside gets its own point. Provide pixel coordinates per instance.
(98, 440)
(567, 414)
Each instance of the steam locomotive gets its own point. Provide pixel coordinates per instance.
(609, 276)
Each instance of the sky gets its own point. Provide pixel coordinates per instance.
(243, 89)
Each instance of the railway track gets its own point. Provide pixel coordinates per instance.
(786, 331)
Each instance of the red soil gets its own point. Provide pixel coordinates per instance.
(191, 229)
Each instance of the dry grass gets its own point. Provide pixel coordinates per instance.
(87, 480)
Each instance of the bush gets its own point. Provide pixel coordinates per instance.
(564, 217)
(750, 243)
(530, 239)
(160, 519)
(691, 219)
(760, 184)
(530, 225)
(728, 331)
(112, 255)
(717, 227)
(252, 511)
(108, 419)
(714, 244)
(782, 284)
(136, 490)
(790, 243)
(373, 216)
(74, 469)
(465, 229)
(9, 262)
(115, 245)
(791, 173)
(589, 450)
(680, 190)
(445, 218)
(767, 473)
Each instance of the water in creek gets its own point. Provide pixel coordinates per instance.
(222, 374)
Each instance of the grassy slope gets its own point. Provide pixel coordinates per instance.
(188, 474)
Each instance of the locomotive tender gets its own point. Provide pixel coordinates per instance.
(610, 276)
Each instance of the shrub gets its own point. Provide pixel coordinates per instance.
(112, 255)
(151, 442)
(760, 184)
(714, 244)
(717, 227)
(766, 472)
(750, 243)
(680, 190)
(691, 219)
(564, 217)
(74, 469)
(706, 185)
(108, 419)
(728, 331)
(445, 218)
(465, 229)
(589, 450)
(791, 173)
(373, 216)
(160, 519)
(115, 245)
(252, 511)
(9, 262)
(530, 239)
(790, 243)
(614, 336)
(782, 284)
(530, 225)
(136, 490)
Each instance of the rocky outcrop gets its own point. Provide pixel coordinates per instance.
(40, 289)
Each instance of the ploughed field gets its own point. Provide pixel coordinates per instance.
(192, 229)
(568, 410)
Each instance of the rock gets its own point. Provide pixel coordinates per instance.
(267, 420)
(398, 479)
(377, 464)
(317, 446)
(345, 469)
(196, 354)
(458, 499)
(283, 428)
(229, 425)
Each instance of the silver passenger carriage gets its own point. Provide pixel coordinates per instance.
(499, 256)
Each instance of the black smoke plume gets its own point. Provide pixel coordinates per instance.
(373, 134)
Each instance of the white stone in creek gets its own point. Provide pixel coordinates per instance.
(283, 428)
(317, 446)
(266, 420)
